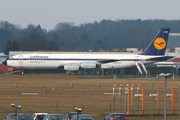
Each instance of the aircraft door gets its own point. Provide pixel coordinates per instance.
(20, 58)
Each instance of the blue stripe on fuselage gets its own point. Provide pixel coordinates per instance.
(69, 59)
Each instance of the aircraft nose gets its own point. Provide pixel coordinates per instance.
(5, 62)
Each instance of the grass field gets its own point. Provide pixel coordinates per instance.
(85, 95)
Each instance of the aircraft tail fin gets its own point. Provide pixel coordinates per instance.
(158, 44)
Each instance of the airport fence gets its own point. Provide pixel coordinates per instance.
(126, 72)
(152, 71)
(97, 101)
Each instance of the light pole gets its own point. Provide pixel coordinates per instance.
(71, 96)
(78, 110)
(132, 96)
(124, 98)
(114, 97)
(99, 100)
(44, 98)
(16, 107)
(120, 96)
(165, 77)
(138, 87)
(152, 101)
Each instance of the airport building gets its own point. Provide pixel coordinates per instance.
(2, 57)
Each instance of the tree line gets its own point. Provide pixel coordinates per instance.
(90, 36)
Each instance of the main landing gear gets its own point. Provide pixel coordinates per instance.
(22, 72)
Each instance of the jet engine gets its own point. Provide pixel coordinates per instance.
(71, 67)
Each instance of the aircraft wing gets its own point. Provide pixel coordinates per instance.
(163, 58)
(107, 61)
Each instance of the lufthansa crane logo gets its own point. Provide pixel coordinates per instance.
(159, 43)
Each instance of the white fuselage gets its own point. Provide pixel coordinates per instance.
(54, 61)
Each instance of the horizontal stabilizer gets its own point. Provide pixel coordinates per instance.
(163, 58)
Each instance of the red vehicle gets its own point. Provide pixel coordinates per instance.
(68, 115)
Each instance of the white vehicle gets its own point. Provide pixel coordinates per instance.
(39, 116)
(73, 62)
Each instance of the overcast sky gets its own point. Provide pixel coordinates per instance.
(48, 13)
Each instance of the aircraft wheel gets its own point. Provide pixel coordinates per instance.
(22, 72)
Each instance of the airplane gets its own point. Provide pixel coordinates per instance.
(74, 62)
(175, 63)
